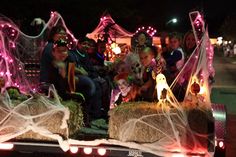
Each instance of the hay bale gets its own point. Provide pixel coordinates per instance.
(76, 120)
(151, 128)
(51, 122)
(152, 125)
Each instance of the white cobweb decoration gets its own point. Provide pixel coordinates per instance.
(18, 118)
(175, 125)
(18, 53)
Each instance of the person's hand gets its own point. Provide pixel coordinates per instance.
(61, 68)
(112, 106)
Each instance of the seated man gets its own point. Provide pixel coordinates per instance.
(57, 73)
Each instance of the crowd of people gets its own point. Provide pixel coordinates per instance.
(101, 87)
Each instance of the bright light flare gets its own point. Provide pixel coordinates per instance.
(174, 20)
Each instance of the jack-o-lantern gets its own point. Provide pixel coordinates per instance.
(2, 82)
(195, 88)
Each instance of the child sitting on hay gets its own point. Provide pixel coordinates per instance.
(153, 64)
(126, 91)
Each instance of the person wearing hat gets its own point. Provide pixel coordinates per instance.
(126, 91)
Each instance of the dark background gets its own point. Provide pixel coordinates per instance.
(82, 16)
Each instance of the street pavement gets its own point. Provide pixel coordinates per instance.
(224, 92)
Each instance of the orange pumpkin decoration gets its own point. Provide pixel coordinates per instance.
(2, 82)
(195, 88)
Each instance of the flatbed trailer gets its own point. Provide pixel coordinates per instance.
(46, 148)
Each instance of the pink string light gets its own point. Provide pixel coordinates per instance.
(149, 30)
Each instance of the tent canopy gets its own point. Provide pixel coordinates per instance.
(107, 26)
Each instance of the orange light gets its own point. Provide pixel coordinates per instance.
(102, 151)
(74, 149)
(6, 146)
(87, 150)
(221, 144)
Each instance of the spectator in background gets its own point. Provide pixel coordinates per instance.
(175, 57)
(189, 44)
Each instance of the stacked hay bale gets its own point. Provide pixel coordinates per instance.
(52, 122)
(146, 122)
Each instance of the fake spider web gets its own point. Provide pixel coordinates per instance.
(17, 117)
(22, 108)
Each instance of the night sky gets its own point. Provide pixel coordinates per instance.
(82, 16)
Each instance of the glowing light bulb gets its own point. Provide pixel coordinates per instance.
(87, 150)
(221, 144)
(102, 151)
(74, 149)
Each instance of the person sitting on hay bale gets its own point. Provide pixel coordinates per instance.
(126, 91)
(153, 65)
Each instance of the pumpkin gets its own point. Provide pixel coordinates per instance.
(195, 88)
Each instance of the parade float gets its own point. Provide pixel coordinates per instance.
(163, 128)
